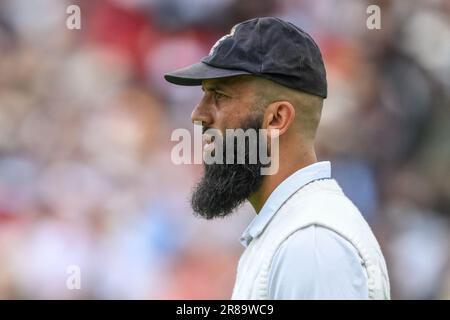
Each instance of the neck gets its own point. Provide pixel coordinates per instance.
(289, 165)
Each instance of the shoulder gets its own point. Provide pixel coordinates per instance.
(317, 263)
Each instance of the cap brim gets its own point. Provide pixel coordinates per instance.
(193, 75)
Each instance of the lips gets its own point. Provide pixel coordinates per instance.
(208, 142)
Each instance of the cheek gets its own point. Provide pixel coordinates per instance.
(232, 118)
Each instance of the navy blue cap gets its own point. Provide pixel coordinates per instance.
(266, 47)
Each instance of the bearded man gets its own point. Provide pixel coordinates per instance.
(308, 240)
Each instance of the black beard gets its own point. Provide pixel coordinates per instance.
(224, 187)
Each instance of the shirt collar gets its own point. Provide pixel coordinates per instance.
(300, 178)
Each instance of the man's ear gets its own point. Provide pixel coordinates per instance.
(279, 115)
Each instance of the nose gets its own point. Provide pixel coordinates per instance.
(201, 113)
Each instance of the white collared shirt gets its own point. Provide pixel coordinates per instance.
(306, 264)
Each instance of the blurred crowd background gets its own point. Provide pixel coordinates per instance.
(86, 117)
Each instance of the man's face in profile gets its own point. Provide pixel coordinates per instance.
(227, 103)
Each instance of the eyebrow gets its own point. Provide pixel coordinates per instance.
(215, 87)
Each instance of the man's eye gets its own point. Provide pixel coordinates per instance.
(218, 95)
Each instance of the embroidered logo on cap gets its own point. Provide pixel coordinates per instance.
(214, 47)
